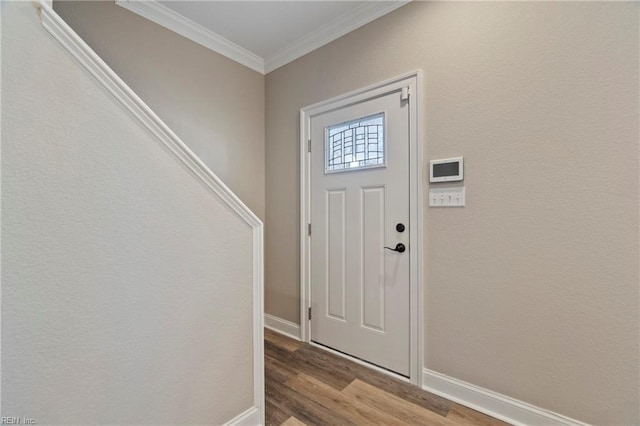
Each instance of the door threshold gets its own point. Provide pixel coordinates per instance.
(359, 361)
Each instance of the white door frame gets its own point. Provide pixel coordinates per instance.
(414, 81)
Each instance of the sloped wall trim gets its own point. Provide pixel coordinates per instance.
(56, 26)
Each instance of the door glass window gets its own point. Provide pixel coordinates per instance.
(355, 144)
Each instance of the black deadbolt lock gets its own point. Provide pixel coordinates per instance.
(400, 227)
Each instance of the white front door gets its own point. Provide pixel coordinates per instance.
(360, 205)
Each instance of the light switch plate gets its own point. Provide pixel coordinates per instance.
(446, 196)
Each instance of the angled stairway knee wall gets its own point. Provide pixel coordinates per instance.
(131, 275)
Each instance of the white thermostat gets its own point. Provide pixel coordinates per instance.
(447, 170)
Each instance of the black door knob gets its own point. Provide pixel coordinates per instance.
(400, 248)
(400, 227)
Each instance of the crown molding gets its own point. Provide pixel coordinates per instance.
(331, 31)
(162, 15)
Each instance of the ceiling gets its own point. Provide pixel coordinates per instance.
(263, 35)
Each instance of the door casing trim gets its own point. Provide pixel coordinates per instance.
(416, 301)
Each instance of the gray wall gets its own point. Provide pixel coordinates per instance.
(531, 290)
(214, 104)
(126, 284)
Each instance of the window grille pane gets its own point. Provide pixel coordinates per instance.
(355, 145)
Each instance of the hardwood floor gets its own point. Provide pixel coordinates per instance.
(309, 386)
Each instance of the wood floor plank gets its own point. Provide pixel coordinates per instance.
(323, 371)
(302, 407)
(282, 340)
(277, 370)
(275, 376)
(394, 405)
(464, 416)
(274, 415)
(348, 368)
(292, 421)
(410, 393)
(304, 383)
(338, 402)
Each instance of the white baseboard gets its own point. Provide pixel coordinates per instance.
(282, 326)
(252, 417)
(492, 403)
